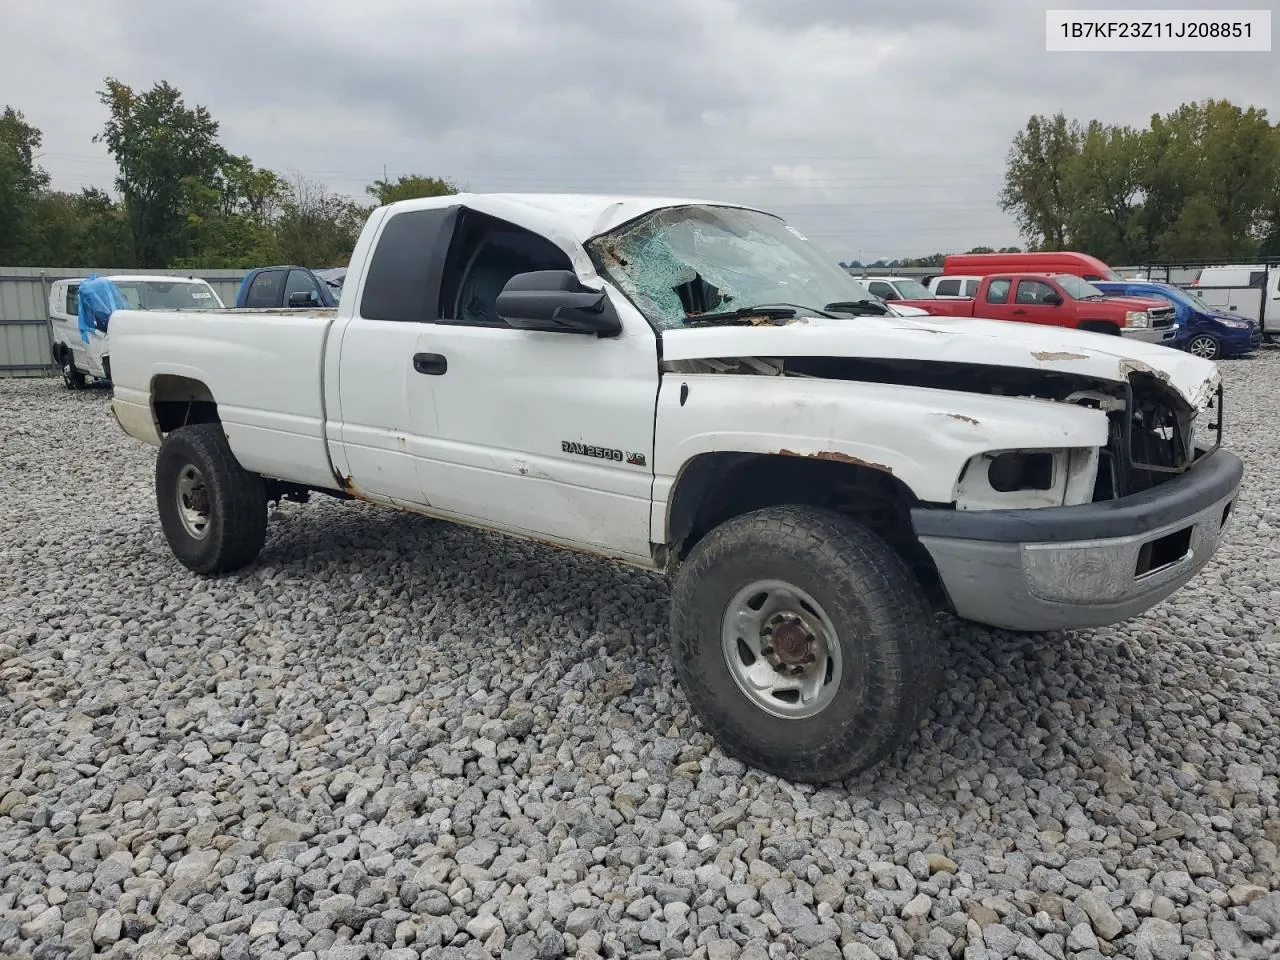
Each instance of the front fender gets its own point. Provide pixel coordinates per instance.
(921, 436)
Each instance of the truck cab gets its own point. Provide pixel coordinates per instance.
(290, 287)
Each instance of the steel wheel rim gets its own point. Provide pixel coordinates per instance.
(1203, 347)
(193, 502)
(781, 649)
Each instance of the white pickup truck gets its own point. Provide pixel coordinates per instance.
(694, 388)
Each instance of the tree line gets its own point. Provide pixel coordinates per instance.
(182, 200)
(1200, 182)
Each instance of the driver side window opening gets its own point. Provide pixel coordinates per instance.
(485, 253)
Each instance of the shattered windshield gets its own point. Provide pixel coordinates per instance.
(163, 295)
(681, 262)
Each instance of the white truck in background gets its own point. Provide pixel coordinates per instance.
(1246, 290)
(694, 388)
(79, 359)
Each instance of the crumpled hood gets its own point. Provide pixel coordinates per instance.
(936, 339)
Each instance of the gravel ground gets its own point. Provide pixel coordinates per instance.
(394, 738)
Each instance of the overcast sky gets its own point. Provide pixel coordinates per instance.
(876, 128)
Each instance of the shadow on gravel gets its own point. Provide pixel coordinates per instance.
(1010, 704)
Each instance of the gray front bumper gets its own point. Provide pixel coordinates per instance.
(1150, 334)
(1065, 567)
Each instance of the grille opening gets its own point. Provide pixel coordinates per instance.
(1164, 552)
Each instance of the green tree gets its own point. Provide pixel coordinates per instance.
(932, 260)
(1215, 150)
(410, 187)
(1034, 190)
(1101, 184)
(162, 149)
(86, 229)
(21, 185)
(317, 228)
(231, 221)
(1197, 232)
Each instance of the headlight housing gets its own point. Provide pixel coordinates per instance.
(1015, 479)
(1137, 318)
(1235, 324)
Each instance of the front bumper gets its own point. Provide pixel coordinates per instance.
(1165, 335)
(1242, 341)
(1091, 565)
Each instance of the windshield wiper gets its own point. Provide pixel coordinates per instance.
(742, 315)
(858, 306)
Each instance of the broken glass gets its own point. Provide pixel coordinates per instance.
(682, 262)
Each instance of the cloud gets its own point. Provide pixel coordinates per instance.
(879, 129)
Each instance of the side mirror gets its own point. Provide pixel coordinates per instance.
(556, 301)
(1053, 299)
(302, 298)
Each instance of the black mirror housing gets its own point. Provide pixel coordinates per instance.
(1053, 299)
(555, 301)
(302, 299)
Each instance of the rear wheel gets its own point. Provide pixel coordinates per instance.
(1204, 345)
(803, 642)
(212, 510)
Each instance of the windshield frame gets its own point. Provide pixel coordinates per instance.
(662, 225)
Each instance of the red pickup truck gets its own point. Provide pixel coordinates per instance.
(1060, 300)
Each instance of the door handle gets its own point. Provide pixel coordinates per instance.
(1019, 312)
(432, 364)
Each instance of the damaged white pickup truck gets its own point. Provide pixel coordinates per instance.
(694, 388)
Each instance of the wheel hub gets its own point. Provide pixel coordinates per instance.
(781, 649)
(193, 502)
(789, 642)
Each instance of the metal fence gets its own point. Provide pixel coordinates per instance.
(25, 343)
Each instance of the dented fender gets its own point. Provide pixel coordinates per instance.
(922, 436)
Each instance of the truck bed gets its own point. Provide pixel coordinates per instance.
(270, 361)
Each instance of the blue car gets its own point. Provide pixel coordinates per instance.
(1202, 330)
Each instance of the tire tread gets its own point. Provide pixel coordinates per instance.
(904, 648)
(239, 497)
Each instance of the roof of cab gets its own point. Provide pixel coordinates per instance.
(584, 215)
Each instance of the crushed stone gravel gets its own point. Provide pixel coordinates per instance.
(394, 738)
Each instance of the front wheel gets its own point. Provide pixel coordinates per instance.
(212, 510)
(804, 643)
(71, 377)
(1205, 346)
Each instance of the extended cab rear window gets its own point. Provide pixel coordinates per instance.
(404, 272)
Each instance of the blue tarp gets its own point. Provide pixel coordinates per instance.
(98, 297)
